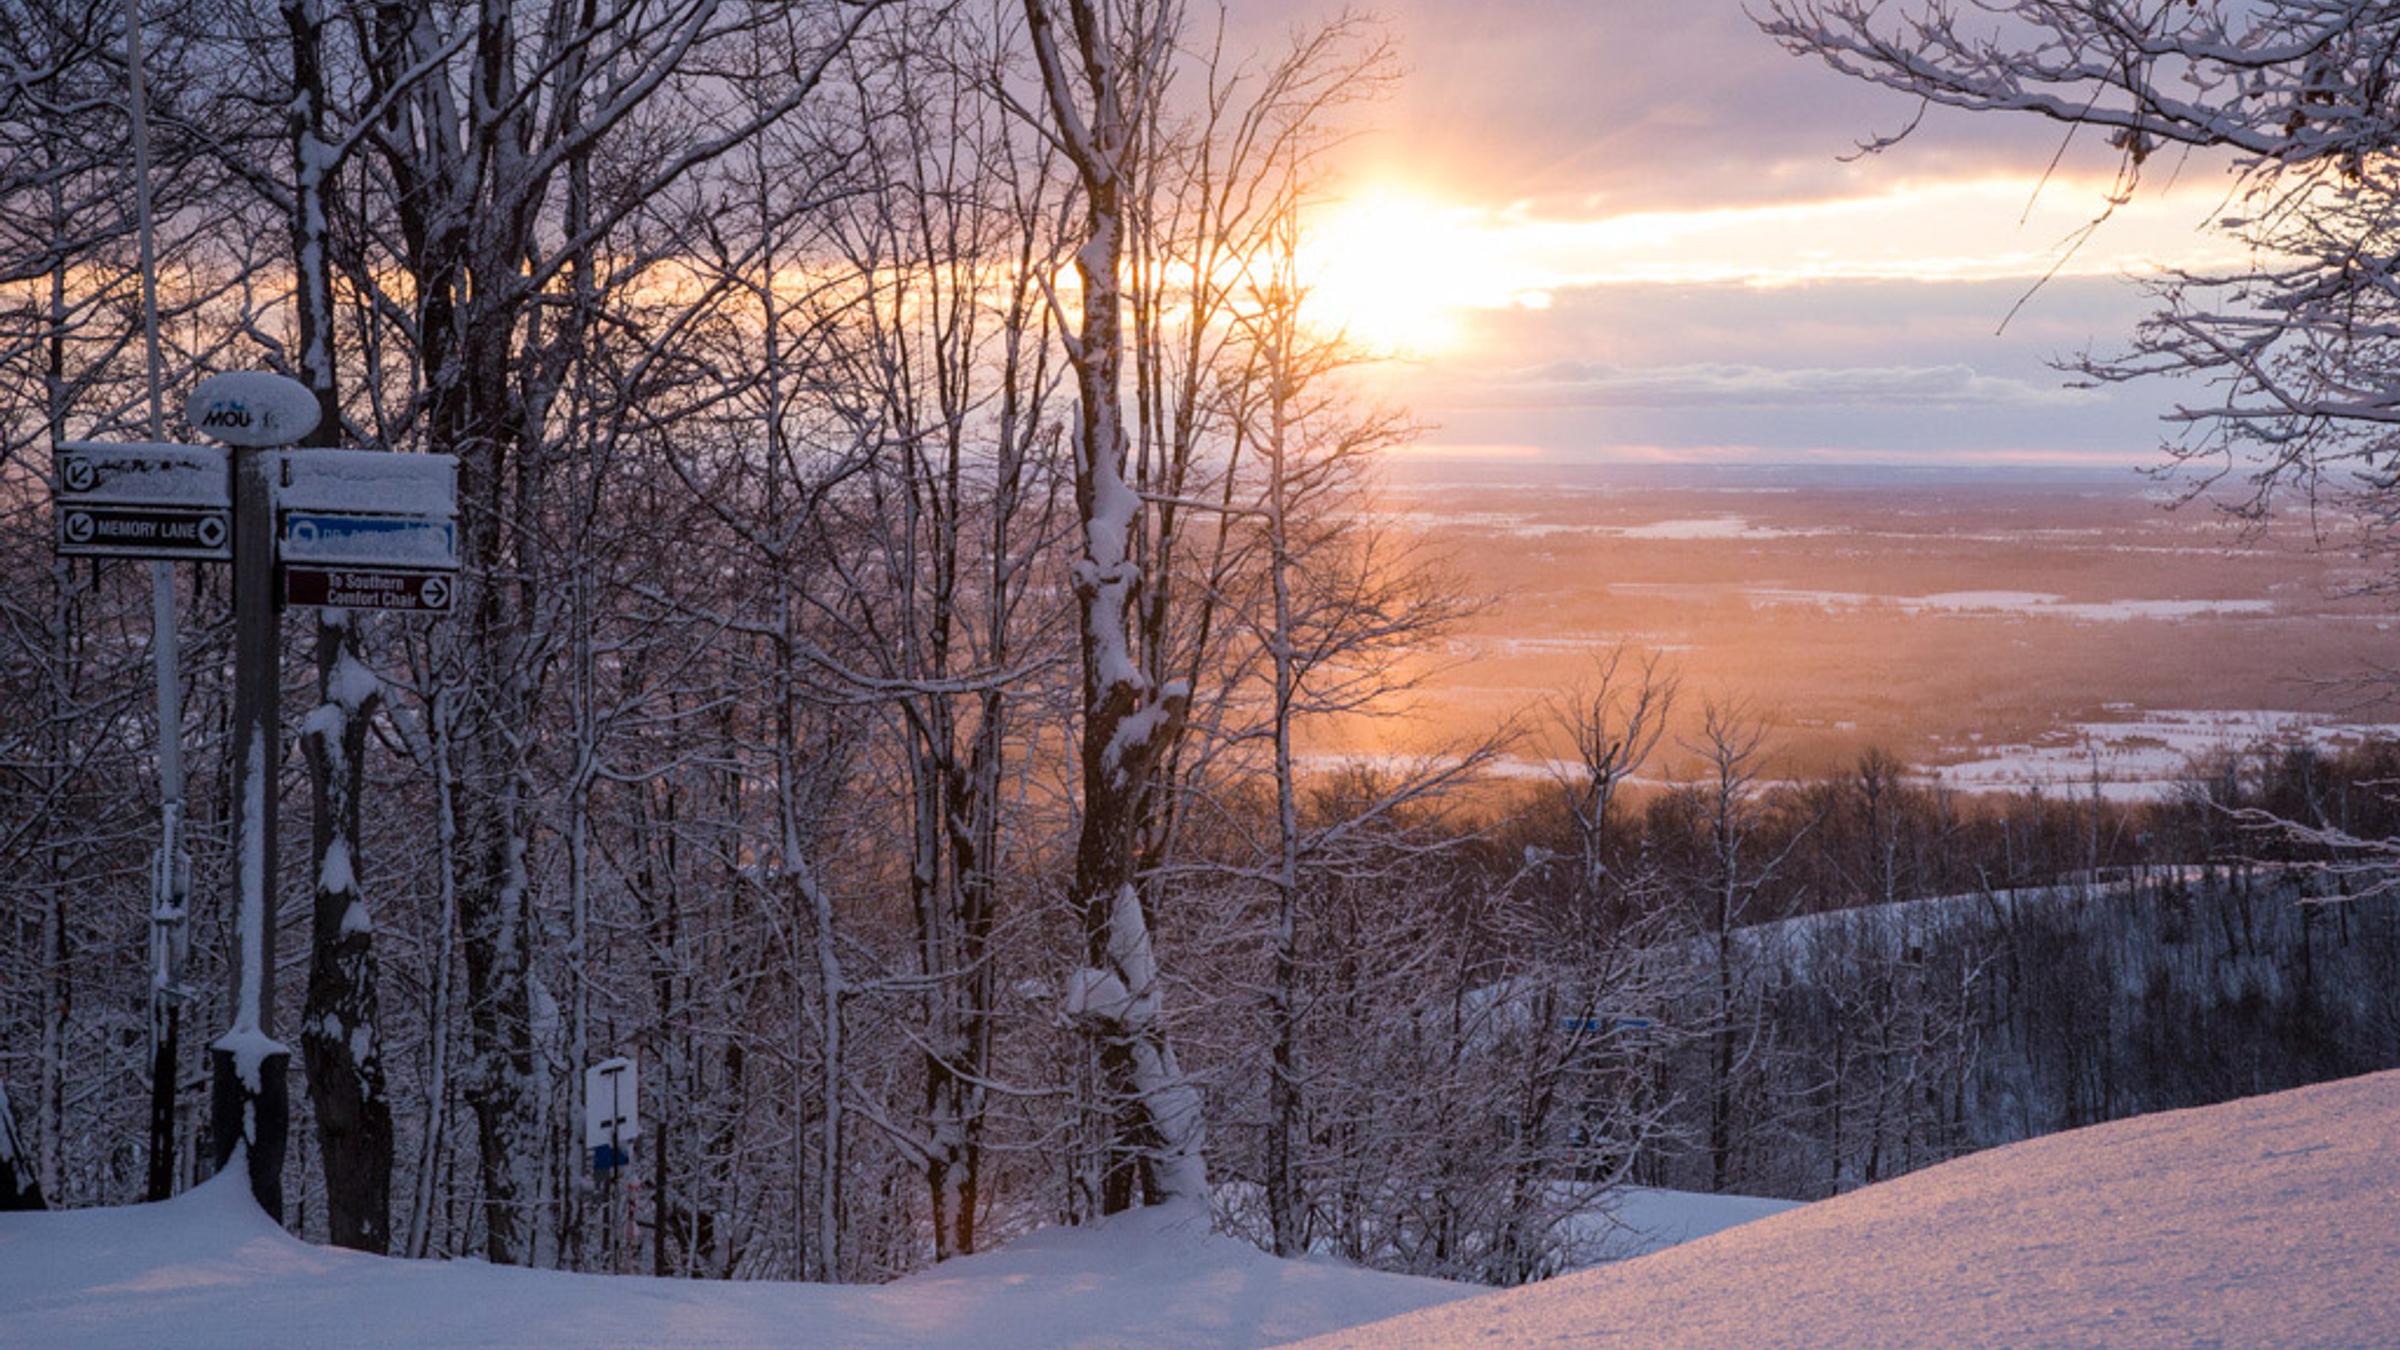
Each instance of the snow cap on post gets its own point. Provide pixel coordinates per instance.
(252, 407)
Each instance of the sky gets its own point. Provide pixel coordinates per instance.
(1626, 229)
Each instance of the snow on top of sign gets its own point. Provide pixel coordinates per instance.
(252, 407)
(148, 473)
(366, 480)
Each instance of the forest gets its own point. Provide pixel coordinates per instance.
(913, 527)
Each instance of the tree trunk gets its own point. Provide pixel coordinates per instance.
(340, 1037)
(1150, 1112)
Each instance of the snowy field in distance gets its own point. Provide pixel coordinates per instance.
(2033, 604)
(2271, 1220)
(2144, 756)
(207, 1270)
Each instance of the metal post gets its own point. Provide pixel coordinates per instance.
(170, 873)
(249, 1104)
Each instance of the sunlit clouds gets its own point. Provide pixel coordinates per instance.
(1841, 325)
(1397, 266)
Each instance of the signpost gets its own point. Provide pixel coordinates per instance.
(611, 1111)
(402, 541)
(154, 473)
(369, 530)
(611, 1117)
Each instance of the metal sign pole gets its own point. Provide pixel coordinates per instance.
(249, 1103)
(616, 1159)
(249, 1108)
(170, 871)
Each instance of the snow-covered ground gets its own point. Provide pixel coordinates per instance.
(208, 1270)
(2269, 1221)
(1640, 1220)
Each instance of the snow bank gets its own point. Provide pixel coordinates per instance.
(2267, 1221)
(1640, 1220)
(207, 1269)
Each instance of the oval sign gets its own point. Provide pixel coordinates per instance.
(252, 407)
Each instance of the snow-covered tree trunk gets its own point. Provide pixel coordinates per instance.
(340, 1034)
(1154, 1123)
(341, 1026)
(433, 751)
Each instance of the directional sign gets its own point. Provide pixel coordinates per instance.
(111, 531)
(370, 482)
(424, 542)
(369, 588)
(146, 473)
(609, 1099)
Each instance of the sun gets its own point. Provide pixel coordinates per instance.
(1380, 267)
(1400, 273)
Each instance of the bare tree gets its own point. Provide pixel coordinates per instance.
(1731, 744)
(1613, 720)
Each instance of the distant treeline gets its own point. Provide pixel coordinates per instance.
(1889, 1038)
(1880, 831)
(1800, 987)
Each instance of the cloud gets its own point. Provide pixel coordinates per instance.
(1586, 107)
(1591, 384)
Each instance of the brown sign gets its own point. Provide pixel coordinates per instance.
(368, 588)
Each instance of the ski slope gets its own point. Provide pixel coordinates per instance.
(207, 1270)
(2272, 1220)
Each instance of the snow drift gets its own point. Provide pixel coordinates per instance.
(208, 1270)
(2273, 1220)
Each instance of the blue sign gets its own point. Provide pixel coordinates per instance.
(389, 541)
(1605, 1023)
(610, 1157)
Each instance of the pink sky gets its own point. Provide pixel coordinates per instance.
(1655, 245)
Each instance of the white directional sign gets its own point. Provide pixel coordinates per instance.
(609, 1115)
(375, 482)
(252, 407)
(144, 473)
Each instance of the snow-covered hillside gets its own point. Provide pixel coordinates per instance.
(2273, 1220)
(2267, 1220)
(208, 1270)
